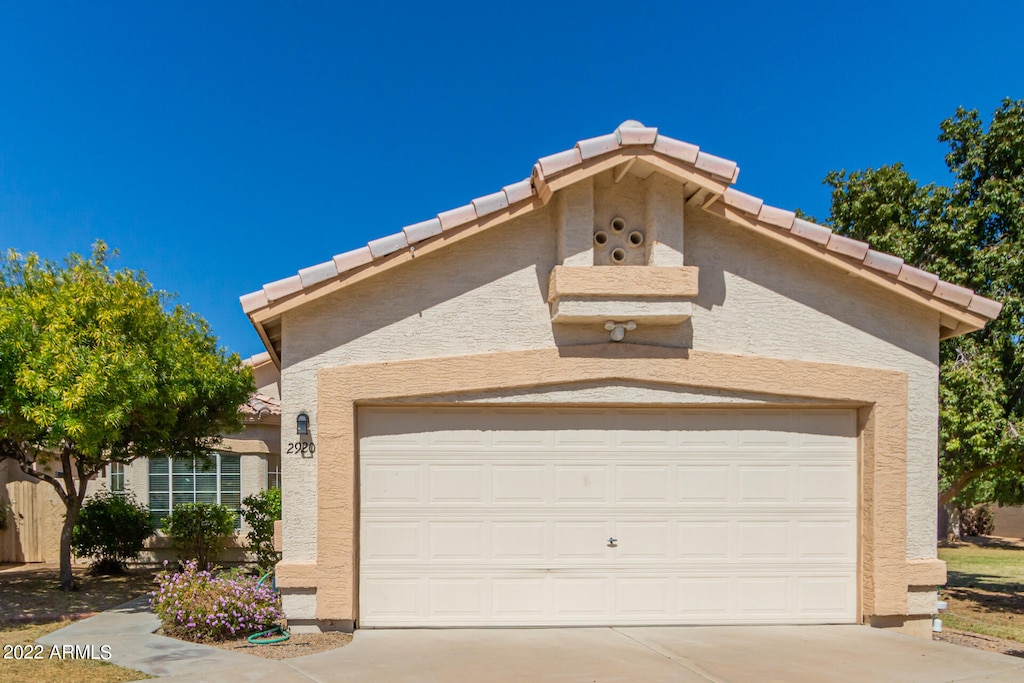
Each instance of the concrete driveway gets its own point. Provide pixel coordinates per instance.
(719, 654)
(768, 654)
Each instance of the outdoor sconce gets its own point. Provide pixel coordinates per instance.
(302, 424)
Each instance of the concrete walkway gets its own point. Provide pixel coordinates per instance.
(721, 654)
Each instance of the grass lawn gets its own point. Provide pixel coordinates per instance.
(54, 670)
(29, 592)
(985, 589)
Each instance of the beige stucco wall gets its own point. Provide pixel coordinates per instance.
(488, 293)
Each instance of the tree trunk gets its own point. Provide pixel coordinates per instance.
(67, 578)
(949, 523)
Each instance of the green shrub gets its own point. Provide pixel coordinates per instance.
(200, 530)
(199, 605)
(111, 529)
(260, 511)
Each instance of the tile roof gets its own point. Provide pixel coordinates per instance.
(629, 137)
(260, 405)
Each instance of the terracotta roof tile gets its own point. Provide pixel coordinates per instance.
(556, 163)
(847, 247)
(260, 405)
(417, 232)
(915, 277)
(716, 166)
(258, 359)
(742, 201)
(811, 232)
(517, 192)
(318, 273)
(780, 218)
(593, 147)
(677, 149)
(954, 294)
(282, 288)
(637, 135)
(453, 218)
(489, 204)
(986, 307)
(388, 245)
(882, 262)
(253, 301)
(352, 259)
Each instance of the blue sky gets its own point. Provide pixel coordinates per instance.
(220, 146)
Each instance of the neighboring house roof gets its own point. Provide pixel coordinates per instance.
(631, 148)
(261, 405)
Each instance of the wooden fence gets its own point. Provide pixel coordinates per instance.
(34, 518)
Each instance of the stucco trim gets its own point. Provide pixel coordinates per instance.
(881, 396)
(622, 281)
(926, 572)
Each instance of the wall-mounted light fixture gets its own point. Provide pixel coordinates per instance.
(302, 424)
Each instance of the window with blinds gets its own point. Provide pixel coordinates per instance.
(173, 481)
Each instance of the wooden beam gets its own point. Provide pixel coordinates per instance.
(622, 170)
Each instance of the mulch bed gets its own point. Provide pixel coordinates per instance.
(298, 645)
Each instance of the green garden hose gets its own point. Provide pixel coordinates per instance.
(267, 637)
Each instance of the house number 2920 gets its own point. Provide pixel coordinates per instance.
(304, 448)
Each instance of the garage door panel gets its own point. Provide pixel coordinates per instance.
(827, 484)
(460, 597)
(644, 484)
(644, 596)
(457, 484)
(518, 483)
(384, 541)
(579, 596)
(644, 540)
(703, 540)
(581, 483)
(519, 540)
(827, 540)
(394, 598)
(503, 517)
(703, 598)
(456, 541)
(766, 596)
(763, 540)
(703, 484)
(830, 596)
(520, 598)
(392, 483)
(580, 540)
(765, 485)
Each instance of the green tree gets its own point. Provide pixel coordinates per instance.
(971, 233)
(98, 367)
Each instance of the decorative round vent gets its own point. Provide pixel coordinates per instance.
(618, 245)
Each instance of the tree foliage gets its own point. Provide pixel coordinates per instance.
(970, 233)
(97, 367)
(260, 511)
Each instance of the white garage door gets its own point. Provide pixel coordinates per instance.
(569, 517)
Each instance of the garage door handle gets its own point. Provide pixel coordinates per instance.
(612, 542)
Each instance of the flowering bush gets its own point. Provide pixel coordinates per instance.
(198, 605)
